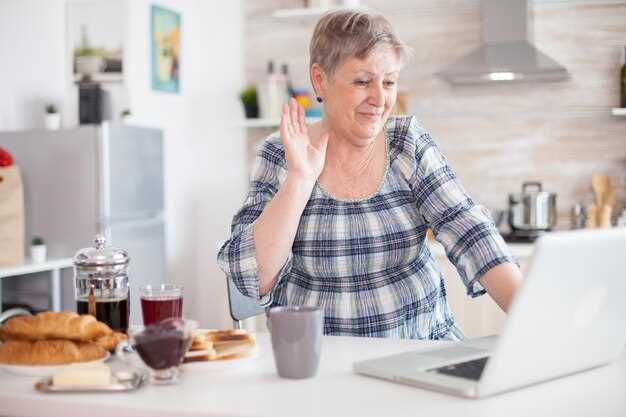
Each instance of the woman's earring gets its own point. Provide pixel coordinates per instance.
(319, 99)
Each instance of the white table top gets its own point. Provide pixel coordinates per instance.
(254, 389)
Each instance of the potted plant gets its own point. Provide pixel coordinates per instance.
(87, 60)
(250, 102)
(52, 118)
(125, 115)
(38, 250)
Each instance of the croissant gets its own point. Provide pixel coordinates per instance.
(48, 352)
(50, 325)
(110, 341)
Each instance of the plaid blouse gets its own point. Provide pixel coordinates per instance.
(366, 262)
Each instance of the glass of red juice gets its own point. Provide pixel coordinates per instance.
(160, 302)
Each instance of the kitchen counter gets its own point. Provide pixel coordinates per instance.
(254, 389)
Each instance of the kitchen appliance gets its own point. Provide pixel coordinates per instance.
(101, 279)
(542, 339)
(520, 236)
(94, 103)
(532, 211)
(506, 54)
(95, 179)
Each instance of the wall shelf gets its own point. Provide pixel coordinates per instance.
(52, 266)
(103, 77)
(307, 11)
(272, 122)
(619, 111)
(300, 12)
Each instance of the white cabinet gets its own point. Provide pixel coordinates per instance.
(479, 316)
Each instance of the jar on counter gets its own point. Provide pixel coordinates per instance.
(579, 216)
(101, 284)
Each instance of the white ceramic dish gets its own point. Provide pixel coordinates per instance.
(43, 371)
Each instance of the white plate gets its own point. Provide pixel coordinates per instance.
(224, 364)
(42, 370)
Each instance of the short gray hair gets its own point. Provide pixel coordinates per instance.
(346, 33)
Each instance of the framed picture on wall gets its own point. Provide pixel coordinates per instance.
(165, 36)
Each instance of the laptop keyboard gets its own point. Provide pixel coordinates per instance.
(470, 370)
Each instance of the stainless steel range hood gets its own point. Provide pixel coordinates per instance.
(506, 54)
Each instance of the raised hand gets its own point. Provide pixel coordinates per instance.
(304, 161)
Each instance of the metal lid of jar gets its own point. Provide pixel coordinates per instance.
(101, 284)
(101, 256)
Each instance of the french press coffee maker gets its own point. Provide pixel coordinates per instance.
(101, 284)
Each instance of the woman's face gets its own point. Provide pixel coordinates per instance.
(359, 96)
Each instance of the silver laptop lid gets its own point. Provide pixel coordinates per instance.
(570, 313)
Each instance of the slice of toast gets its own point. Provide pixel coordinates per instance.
(220, 345)
(234, 347)
(225, 335)
(203, 355)
(200, 342)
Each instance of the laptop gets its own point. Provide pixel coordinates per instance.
(569, 316)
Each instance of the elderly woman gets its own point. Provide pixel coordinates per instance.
(337, 212)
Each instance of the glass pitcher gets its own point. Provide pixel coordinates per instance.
(101, 284)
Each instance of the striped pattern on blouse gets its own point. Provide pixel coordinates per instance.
(367, 262)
